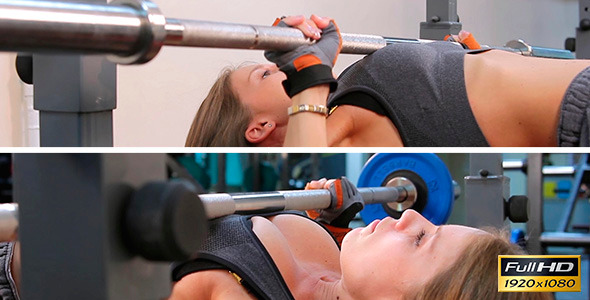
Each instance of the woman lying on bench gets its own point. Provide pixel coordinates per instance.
(290, 256)
(435, 94)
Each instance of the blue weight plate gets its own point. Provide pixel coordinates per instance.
(516, 236)
(428, 166)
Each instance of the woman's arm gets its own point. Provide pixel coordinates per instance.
(309, 79)
(346, 203)
(308, 129)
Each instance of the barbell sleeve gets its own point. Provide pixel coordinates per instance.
(131, 32)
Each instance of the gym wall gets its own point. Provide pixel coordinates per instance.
(157, 101)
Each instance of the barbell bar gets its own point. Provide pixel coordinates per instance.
(222, 204)
(133, 32)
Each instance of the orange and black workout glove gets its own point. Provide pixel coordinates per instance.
(346, 203)
(468, 42)
(309, 65)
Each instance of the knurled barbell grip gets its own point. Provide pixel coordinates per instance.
(195, 33)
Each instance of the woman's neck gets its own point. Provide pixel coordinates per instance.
(330, 290)
(339, 127)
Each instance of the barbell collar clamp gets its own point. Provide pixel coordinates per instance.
(521, 47)
(152, 32)
(409, 194)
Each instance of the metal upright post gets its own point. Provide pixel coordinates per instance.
(70, 216)
(75, 96)
(285, 174)
(221, 171)
(315, 165)
(485, 191)
(534, 193)
(256, 172)
(583, 31)
(441, 19)
(582, 169)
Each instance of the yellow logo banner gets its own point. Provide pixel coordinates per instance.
(539, 273)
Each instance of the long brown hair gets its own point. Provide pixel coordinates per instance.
(475, 274)
(222, 119)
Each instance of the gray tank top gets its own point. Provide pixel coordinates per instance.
(422, 90)
(232, 245)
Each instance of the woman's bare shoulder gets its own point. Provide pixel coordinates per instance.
(298, 231)
(288, 223)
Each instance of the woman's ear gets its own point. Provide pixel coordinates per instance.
(257, 132)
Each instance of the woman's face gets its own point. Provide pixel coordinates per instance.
(398, 256)
(259, 88)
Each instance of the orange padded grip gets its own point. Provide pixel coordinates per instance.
(276, 22)
(313, 214)
(340, 44)
(338, 187)
(471, 42)
(305, 61)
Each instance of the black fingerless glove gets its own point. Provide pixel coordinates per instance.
(309, 65)
(346, 203)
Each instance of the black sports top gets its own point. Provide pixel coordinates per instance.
(420, 88)
(232, 245)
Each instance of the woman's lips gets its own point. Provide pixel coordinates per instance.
(373, 225)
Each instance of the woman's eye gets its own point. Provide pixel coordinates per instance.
(419, 237)
(265, 74)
